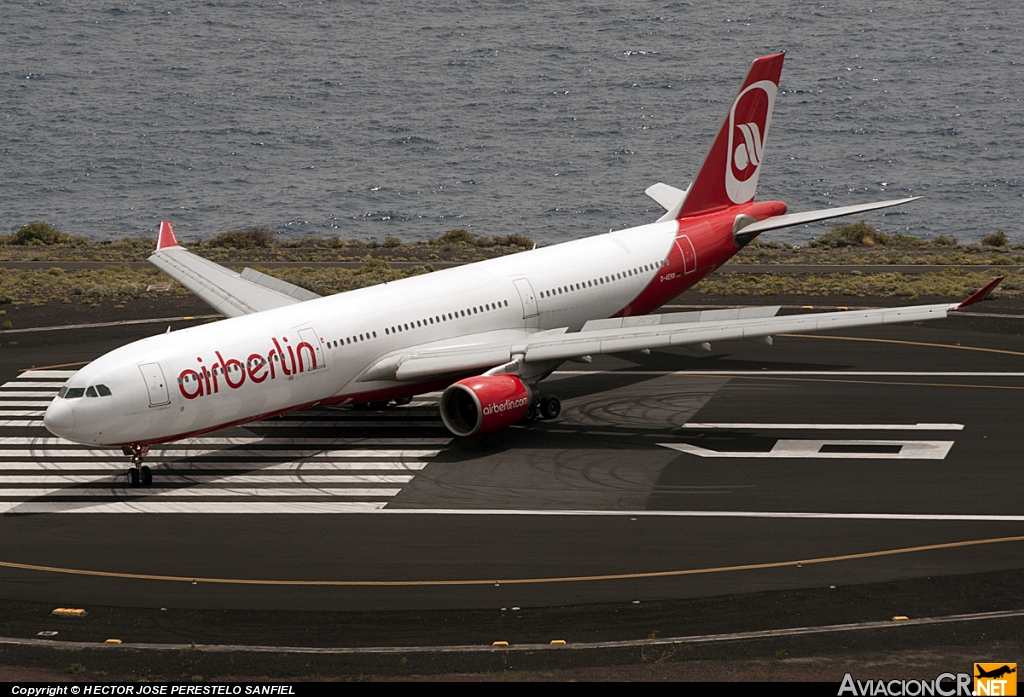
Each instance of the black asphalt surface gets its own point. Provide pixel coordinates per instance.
(525, 518)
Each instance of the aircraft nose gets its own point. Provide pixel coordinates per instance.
(59, 419)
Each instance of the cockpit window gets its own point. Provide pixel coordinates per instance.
(63, 391)
(74, 392)
(91, 392)
(103, 390)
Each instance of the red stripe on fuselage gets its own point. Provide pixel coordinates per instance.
(713, 244)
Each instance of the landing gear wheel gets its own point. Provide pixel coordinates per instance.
(147, 476)
(550, 407)
(133, 477)
(531, 413)
(378, 406)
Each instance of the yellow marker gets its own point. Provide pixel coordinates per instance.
(500, 643)
(69, 611)
(558, 642)
(112, 641)
(842, 308)
(807, 307)
(900, 618)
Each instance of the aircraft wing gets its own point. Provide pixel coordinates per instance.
(230, 293)
(623, 334)
(781, 221)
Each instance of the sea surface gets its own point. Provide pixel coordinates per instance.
(547, 119)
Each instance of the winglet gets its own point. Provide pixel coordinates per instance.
(166, 238)
(980, 295)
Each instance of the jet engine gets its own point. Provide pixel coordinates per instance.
(484, 403)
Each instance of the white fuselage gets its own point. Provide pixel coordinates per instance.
(205, 377)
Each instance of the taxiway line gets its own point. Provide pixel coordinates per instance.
(512, 581)
(483, 648)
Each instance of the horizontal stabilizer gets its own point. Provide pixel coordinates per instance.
(791, 219)
(668, 197)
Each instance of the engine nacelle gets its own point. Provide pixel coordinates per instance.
(484, 403)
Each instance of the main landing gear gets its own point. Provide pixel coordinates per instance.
(544, 408)
(138, 473)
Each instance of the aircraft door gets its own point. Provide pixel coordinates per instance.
(527, 296)
(155, 384)
(308, 336)
(688, 252)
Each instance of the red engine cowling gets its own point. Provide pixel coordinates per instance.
(484, 403)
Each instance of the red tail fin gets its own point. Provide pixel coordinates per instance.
(729, 173)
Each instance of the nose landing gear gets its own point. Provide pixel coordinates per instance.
(138, 473)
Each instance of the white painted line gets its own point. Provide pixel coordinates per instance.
(239, 454)
(22, 384)
(192, 507)
(13, 423)
(831, 373)
(42, 374)
(24, 403)
(305, 466)
(20, 412)
(30, 393)
(305, 478)
(830, 427)
(791, 449)
(190, 442)
(149, 505)
(227, 492)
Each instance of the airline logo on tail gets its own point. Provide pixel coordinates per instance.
(749, 119)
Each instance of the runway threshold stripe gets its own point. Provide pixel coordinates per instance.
(160, 469)
(796, 563)
(483, 648)
(306, 479)
(322, 443)
(227, 491)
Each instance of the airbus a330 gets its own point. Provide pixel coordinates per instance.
(486, 333)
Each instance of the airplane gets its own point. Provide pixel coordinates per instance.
(486, 333)
(994, 673)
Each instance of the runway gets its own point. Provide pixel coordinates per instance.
(820, 461)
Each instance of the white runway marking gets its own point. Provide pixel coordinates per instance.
(305, 466)
(22, 384)
(44, 374)
(305, 478)
(831, 427)
(210, 474)
(833, 450)
(250, 507)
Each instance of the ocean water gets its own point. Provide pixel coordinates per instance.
(548, 119)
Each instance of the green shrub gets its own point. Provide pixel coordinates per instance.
(392, 241)
(98, 291)
(514, 240)
(39, 234)
(996, 239)
(296, 278)
(258, 236)
(456, 236)
(944, 241)
(854, 235)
